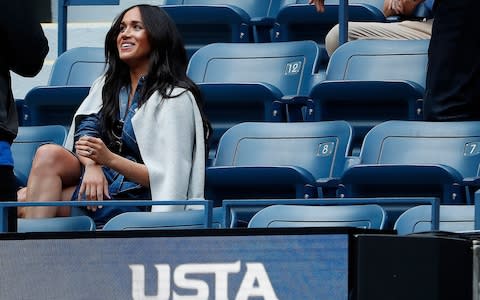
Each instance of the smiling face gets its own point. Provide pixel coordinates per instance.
(132, 41)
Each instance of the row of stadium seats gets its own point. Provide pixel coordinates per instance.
(203, 22)
(366, 82)
(309, 160)
(369, 216)
(299, 152)
(238, 21)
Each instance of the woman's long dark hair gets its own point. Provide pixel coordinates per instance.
(168, 66)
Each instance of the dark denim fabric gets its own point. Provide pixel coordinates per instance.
(120, 188)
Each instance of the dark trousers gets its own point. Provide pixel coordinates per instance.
(8, 192)
(453, 75)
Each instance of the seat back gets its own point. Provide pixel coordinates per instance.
(370, 216)
(416, 159)
(53, 105)
(72, 74)
(380, 60)
(452, 218)
(278, 161)
(454, 144)
(287, 66)
(245, 82)
(202, 22)
(28, 140)
(191, 219)
(371, 81)
(318, 147)
(57, 224)
(78, 66)
(254, 8)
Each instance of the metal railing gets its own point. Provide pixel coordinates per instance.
(63, 17)
(208, 206)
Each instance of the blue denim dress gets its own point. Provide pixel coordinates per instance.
(119, 187)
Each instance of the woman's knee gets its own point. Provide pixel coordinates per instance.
(51, 158)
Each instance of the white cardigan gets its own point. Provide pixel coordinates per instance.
(170, 137)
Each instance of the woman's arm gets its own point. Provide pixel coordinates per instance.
(94, 185)
(94, 150)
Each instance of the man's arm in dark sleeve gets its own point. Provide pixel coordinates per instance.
(25, 40)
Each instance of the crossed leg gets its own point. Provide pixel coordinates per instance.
(54, 176)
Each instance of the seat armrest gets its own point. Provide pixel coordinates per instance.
(299, 108)
(263, 21)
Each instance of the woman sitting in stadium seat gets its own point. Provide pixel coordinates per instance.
(139, 134)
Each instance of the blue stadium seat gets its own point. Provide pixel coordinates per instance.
(279, 160)
(371, 81)
(78, 66)
(370, 216)
(452, 218)
(417, 159)
(58, 224)
(71, 77)
(53, 105)
(190, 219)
(29, 138)
(246, 82)
(202, 22)
(287, 66)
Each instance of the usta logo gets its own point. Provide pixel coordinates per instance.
(255, 282)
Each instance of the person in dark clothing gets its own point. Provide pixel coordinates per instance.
(23, 51)
(453, 74)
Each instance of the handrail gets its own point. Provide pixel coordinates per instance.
(208, 206)
(62, 18)
(343, 22)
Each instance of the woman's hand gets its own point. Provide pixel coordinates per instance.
(95, 149)
(319, 5)
(21, 197)
(94, 185)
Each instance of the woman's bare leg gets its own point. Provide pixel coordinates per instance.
(55, 173)
(62, 211)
